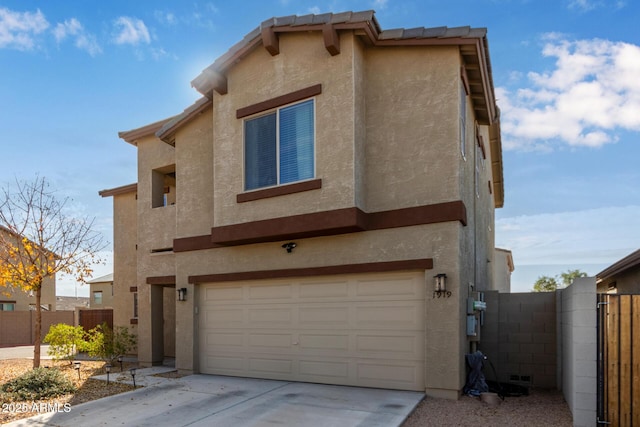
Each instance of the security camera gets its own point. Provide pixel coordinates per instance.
(289, 246)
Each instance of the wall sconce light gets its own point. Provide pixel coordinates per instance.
(289, 246)
(182, 294)
(440, 282)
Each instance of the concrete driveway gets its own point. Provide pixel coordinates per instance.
(209, 400)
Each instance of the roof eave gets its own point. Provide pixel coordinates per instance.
(129, 188)
(630, 261)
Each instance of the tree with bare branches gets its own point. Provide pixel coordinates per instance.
(40, 238)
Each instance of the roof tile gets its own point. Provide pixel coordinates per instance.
(303, 20)
(391, 34)
(339, 18)
(434, 32)
(457, 32)
(412, 33)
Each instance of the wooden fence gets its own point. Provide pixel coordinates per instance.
(618, 360)
(89, 319)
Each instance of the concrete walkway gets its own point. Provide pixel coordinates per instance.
(210, 400)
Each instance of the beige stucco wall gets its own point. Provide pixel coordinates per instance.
(125, 259)
(107, 295)
(302, 62)
(23, 300)
(501, 271)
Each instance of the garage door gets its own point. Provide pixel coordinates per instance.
(361, 330)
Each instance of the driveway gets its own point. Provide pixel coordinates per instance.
(209, 400)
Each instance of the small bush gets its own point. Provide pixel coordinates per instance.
(64, 341)
(107, 344)
(39, 383)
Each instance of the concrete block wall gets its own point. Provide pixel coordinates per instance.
(577, 323)
(523, 345)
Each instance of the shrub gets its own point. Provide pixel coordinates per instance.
(39, 383)
(107, 343)
(64, 341)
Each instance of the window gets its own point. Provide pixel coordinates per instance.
(97, 297)
(163, 186)
(279, 146)
(7, 306)
(463, 120)
(135, 305)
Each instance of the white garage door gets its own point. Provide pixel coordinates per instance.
(361, 330)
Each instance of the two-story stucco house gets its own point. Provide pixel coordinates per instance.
(290, 224)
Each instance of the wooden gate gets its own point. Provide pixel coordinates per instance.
(618, 360)
(89, 319)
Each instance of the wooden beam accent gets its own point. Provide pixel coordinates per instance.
(281, 190)
(288, 98)
(331, 39)
(270, 41)
(161, 280)
(375, 267)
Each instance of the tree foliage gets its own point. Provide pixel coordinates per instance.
(39, 238)
(65, 341)
(107, 343)
(545, 284)
(550, 284)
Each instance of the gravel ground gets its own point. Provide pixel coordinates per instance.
(541, 408)
(87, 388)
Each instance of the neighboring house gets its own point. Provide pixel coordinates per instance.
(622, 277)
(70, 303)
(290, 223)
(101, 292)
(502, 268)
(18, 300)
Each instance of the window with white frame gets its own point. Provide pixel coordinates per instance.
(279, 146)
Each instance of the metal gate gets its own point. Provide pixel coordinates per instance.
(618, 360)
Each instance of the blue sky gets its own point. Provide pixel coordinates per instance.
(73, 74)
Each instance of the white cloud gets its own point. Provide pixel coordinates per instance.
(588, 5)
(592, 236)
(74, 29)
(18, 29)
(592, 93)
(379, 4)
(166, 18)
(131, 31)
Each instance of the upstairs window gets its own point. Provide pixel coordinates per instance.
(97, 297)
(279, 146)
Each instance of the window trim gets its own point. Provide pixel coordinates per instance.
(279, 101)
(276, 111)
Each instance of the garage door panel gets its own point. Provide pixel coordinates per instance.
(224, 316)
(409, 346)
(272, 366)
(323, 315)
(402, 316)
(274, 292)
(225, 365)
(363, 330)
(337, 371)
(223, 294)
(267, 341)
(270, 316)
(338, 289)
(329, 342)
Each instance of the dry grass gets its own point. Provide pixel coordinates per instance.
(87, 389)
(540, 408)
